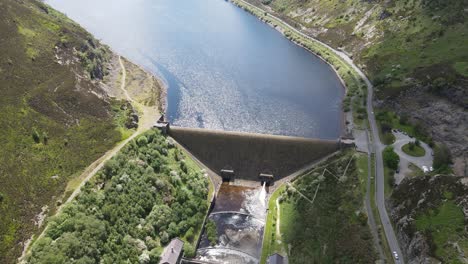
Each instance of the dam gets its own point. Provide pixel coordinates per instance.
(250, 156)
(247, 164)
(227, 71)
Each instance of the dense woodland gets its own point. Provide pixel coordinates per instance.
(142, 198)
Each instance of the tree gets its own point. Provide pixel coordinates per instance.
(190, 234)
(442, 157)
(391, 159)
(142, 141)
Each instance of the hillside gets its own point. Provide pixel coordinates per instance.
(143, 197)
(309, 218)
(414, 51)
(56, 114)
(431, 218)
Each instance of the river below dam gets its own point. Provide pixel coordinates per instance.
(224, 68)
(239, 214)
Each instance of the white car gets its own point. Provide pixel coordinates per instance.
(425, 169)
(395, 255)
(431, 169)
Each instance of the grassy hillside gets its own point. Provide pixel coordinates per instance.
(414, 51)
(321, 217)
(394, 39)
(55, 119)
(143, 197)
(432, 220)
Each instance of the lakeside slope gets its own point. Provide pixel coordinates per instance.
(61, 109)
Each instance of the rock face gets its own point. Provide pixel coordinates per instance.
(416, 196)
(445, 121)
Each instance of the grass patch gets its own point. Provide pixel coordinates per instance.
(390, 120)
(363, 171)
(415, 151)
(389, 176)
(461, 67)
(270, 237)
(445, 224)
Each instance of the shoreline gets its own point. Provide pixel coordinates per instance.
(278, 26)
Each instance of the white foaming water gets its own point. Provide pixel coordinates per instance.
(262, 195)
(255, 203)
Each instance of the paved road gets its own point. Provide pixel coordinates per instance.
(377, 144)
(379, 172)
(405, 159)
(401, 140)
(370, 212)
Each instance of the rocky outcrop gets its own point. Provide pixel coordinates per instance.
(417, 196)
(446, 122)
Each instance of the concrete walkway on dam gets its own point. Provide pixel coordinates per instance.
(247, 155)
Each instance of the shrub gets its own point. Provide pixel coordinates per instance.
(442, 157)
(35, 135)
(142, 141)
(390, 158)
(211, 232)
(45, 137)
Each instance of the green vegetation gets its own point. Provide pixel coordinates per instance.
(435, 206)
(391, 162)
(442, 158)
(363, 171)
(444, 225)
(142, 198)
(211, 232)
(271, 239)
(388, 120)
(330, 210)
(461, 68)
(390, 158)
(51, 130)
(414, 149)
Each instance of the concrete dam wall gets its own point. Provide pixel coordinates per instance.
(249, 156)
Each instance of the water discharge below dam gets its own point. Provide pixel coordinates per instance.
(239, 214)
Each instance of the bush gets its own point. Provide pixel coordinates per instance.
(35, 135)
(142, 141)
(442, 157)
(390, 158)
(211, 232)
(45, 137)
(189, 250)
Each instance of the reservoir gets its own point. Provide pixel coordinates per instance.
(224, 68)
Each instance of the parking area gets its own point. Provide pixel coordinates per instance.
(424, 163)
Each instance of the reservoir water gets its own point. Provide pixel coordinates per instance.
(224, 68)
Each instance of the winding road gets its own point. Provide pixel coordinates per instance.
(376, 144)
